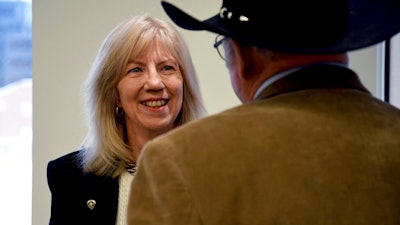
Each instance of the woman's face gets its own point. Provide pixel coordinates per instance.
(151, 91)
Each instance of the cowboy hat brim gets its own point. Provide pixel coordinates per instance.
(365, 26)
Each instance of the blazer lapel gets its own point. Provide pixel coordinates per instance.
(101, 199)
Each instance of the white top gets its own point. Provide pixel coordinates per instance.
(125, 181)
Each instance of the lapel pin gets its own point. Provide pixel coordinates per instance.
(91, 204)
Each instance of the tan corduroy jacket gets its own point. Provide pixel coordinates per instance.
(315, 149)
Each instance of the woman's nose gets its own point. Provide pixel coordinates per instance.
(154, 80)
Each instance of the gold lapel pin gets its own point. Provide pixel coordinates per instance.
(91, 204)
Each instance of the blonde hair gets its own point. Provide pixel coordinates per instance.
(105, 149)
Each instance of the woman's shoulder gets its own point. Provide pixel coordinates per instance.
(68, 162)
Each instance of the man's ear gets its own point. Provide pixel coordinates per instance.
(238, 57)
(245, 59)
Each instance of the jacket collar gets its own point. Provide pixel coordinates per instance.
(313, 77)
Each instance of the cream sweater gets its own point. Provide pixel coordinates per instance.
(123, 198)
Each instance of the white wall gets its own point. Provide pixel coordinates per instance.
(66, 36)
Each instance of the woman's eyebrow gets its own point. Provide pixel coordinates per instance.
(133, 61)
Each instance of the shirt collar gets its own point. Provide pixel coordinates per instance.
(284, 73)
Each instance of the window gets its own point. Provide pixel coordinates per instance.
(15, 112)
(394, 71)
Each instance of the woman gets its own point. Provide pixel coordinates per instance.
(141, 85)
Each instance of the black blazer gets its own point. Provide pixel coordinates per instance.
(71, 189)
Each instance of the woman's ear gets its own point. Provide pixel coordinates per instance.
(117, 101)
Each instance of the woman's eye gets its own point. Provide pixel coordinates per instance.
(169, 69)
(135, 70)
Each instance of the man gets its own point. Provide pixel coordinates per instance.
(309, 145)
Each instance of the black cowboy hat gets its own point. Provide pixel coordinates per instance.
(302, 26)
